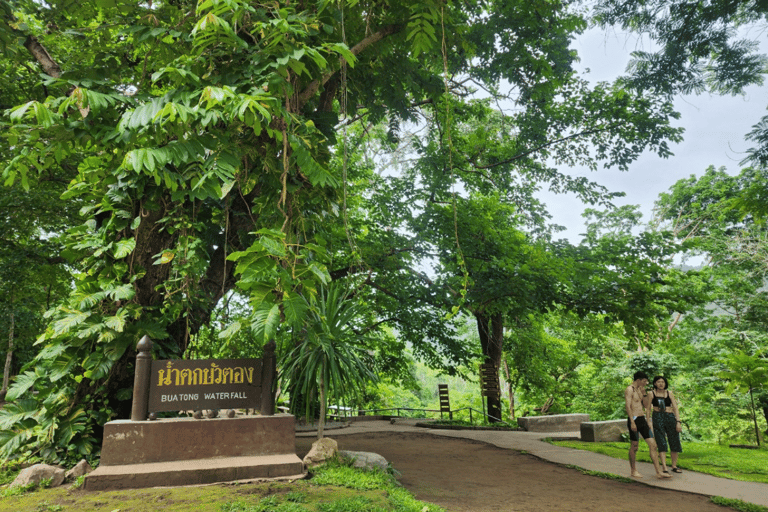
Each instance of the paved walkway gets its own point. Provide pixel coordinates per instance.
(530, 442)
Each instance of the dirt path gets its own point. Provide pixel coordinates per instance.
(462, 475)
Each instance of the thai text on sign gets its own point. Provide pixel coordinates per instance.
(179, 384)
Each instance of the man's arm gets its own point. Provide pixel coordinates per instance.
(628, 407)
(648, 405)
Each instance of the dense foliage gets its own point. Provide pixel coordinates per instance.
(214, 166)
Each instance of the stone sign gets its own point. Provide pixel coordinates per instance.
(177, 384)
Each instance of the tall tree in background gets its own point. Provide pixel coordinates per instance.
(708, 212)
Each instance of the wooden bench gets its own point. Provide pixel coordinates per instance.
(553, 422)
(603, 431)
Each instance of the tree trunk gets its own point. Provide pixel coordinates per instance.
(321, 419)
(491, 331)
(754, 416)
(510, 391)
(763, 401)
(8, 356)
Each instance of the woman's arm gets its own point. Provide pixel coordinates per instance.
(674, 405)
(678, 425)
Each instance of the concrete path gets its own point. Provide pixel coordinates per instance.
(530, 442)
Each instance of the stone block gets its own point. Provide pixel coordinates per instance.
(187, 451)
(553, 422)
(167, 440)
(603, 431)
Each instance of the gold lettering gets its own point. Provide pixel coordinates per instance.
(186, 378)
(215, 370)
(239, 375)
(164, 379)
(249, 374)
(227, 376)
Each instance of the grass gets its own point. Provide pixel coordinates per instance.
(334, 487)
(738, 505)
(713, 459)
(600, 474)
(741, 506)
(468, 424)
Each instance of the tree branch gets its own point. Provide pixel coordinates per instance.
(41, 55)
(313, 87)
(547, 144)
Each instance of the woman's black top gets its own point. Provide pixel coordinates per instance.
(661, 403)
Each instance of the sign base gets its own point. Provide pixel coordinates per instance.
(186, 451)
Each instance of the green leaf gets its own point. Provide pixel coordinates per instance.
(17, 411)
(273, 247)
(124, 248)
(21, 385)
(230, 331)
(295, 309)
(123, 292)
(265, 322)
(61, 368)
(70, 321)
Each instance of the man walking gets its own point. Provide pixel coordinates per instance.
(636, 404)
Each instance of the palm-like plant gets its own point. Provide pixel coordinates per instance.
(746, 372)
(330, 359)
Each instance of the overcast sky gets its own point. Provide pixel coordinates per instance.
(714, 135)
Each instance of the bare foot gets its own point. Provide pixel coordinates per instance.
(636, 474)
(662, 476)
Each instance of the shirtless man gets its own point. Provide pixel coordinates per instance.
(636, 404)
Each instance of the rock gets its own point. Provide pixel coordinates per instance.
(322, 450)
(38, 473)
(80, 469)
(366, 460)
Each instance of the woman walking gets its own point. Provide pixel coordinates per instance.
(666, 422)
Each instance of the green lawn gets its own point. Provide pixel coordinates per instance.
(734, 463)
(333, 488)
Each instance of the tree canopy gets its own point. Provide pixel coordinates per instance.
(703, 46)
(226, 146)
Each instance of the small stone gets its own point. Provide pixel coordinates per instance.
(80, 469)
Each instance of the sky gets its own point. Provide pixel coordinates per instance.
(715, 127)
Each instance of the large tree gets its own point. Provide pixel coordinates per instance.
(199, 138)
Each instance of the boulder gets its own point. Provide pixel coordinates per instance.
(602, 431)
(39, 472)
(322, 450)
(80, 469)
(365, 460)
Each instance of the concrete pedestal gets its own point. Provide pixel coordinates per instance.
(603, 431)
(553, 422)
(186, 451)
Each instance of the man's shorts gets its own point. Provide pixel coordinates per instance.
(642, 429)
